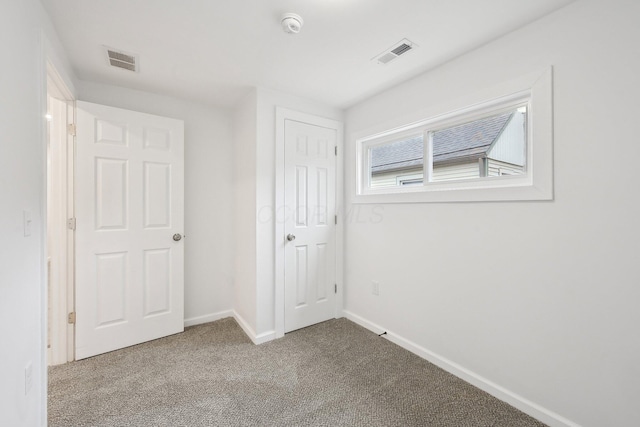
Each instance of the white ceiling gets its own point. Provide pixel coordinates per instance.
(213, 51)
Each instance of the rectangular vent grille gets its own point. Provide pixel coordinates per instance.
(400, 48)
(122, 60)
(122, 64)
(122, 57)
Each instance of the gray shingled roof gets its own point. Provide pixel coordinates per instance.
(465, 142)
(397, 155)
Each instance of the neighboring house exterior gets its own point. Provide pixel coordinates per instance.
(492, 146)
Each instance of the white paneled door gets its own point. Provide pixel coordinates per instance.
(310, 231)
(130, 219)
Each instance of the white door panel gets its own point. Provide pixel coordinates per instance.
(129, 204)
(310, 200)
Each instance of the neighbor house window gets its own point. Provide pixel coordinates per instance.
(415, 179)
(466, 152)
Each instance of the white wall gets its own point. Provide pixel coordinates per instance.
(208, 169)
(26, 38)
(244, 176)
(557, 322)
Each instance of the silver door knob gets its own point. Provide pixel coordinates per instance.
(177, 237)
(291, 237)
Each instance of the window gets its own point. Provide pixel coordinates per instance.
(483, 152)
(490, 146)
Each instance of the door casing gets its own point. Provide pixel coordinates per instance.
(283, 114)
(61, 248)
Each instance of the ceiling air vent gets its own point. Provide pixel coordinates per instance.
(400, 48)
(122, 60)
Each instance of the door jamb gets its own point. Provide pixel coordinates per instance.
(283, 114)
(65, 248)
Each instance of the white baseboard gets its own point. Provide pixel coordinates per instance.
(207, 318)
(513, 399)
(257, 339)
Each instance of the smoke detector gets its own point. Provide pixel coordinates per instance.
(292, 23)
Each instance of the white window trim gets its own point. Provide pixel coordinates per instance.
(536, 184)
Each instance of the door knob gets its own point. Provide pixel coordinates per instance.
(291, 237)
(177, 237)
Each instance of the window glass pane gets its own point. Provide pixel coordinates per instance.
(491, 146)
(397, 163)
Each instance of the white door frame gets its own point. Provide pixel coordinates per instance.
(283, 114)
(61, 333)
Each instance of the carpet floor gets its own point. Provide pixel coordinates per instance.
(331, 374)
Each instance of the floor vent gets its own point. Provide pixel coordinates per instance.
(400, 48)
(119, 59)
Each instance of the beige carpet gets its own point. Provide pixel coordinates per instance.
(332, 374)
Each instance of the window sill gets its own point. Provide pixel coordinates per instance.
(481, 190)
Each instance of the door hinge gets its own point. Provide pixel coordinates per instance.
(336, 150)
(71, 318)
(335, 219)
(71, 223)
(71, 129)
(335, 288)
